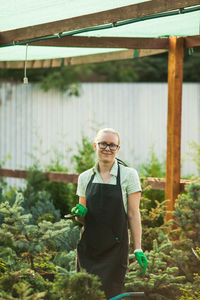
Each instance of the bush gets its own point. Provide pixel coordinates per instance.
(152, 220)
(85, 159)
(186, 232)
(153, 168)
(192, 290)
(152, 204)
(25, 241)
(78, 286)
(57, 195)
(31, 254)
(161, 280)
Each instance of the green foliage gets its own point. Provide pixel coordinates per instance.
(191, 67)
(152, 205)
(85, 158)
(35, 182)
(64, 79)
(152, 168)
(23, 284)
(174, 257)
(82, 161)
(3, 267)
(187, 214)
(45, 217)
(192, 290)
(36, 198)
(64, 194)
(195, 155)
(43, 262)
(114, 71)
(3, 183)
(61, 194)
(30, 254)
(44, 209)
(65, 260)
(43, 197)
(161, 280)
(8, 255)
(186, 233)
(152, 220)
(22, 291)
(48, 200)
(78, 286)
(26, 241)
(60, 236)
(39, 256)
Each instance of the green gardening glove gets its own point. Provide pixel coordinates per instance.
(80, 210)
(142, 260)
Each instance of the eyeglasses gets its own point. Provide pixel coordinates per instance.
(104, 145)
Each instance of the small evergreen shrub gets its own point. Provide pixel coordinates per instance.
(187, 213)
(191, 291)
(54, 197)
(186, 232)
(77, 286)
(152, 219)
(23, 242)
(23, 284)
(152, 168)
(85, 159)
(161, 280)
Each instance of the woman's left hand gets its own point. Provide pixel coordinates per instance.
(142, 260)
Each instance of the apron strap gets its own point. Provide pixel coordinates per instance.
(118, 175)
(92, 177)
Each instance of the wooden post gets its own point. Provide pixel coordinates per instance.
(175, 79)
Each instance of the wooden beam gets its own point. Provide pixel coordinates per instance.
(95, 19)
(105, 42)
(155, 183)
(159, 183)
(51, 176)
(175, 78)
(62, 177)
(79, 60)
(192, 41)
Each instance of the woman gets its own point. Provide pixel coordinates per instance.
(111, 194)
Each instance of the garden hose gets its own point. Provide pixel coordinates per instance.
(131, 294)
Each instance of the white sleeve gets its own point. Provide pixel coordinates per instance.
(83, 181)
(133, 182)
(81, 188)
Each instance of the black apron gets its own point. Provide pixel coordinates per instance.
(103, 248)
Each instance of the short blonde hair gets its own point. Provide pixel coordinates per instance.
(107, 130)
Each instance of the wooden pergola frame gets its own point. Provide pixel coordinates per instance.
(105, 17)
(143, 46)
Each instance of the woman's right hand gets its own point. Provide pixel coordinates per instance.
(80, 210)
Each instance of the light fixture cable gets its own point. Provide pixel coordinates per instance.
(25, 64)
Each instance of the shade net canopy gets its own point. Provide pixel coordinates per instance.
(29, 23)
(22, 13)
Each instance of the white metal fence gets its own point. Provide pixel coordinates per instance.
(32, 121)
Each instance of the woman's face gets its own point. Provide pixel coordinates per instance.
(104, 153)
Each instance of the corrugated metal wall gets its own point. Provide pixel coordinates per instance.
(34, 122)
